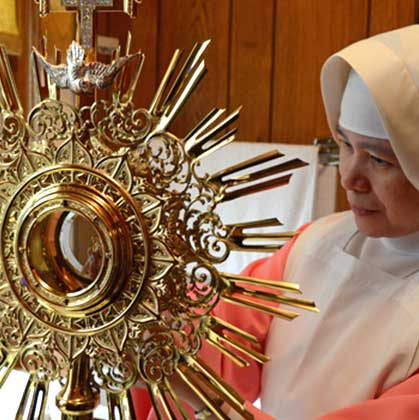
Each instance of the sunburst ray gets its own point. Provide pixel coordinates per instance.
(204, 381)
(240, 239)
(171, 94)
(200, 143)
(220, 334)
(34, 400)
(120, 406)
(7, 364)
(232, 184)
(9, 95)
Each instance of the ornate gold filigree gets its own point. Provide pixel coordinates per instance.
(137, 304)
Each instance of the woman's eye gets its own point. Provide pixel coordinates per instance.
(380, 162)
(346, 144)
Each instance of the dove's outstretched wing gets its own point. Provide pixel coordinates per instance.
(102, 75)
(118, 64)
(97, 75)
(57, 73)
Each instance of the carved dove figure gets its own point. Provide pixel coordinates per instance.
(82, 77)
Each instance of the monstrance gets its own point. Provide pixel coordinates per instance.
(110, 237)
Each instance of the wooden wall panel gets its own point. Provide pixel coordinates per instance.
(251, 66)
(307, 32)
(181, 24)
(145, 38)
(60, 28)
(27, 18)
(386, 15)
(144, 30)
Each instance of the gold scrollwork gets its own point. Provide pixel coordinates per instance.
(109, 240)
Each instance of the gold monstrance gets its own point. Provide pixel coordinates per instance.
(136, 304)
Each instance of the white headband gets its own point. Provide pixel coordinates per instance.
(358, 111)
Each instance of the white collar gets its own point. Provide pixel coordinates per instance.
(408, 244)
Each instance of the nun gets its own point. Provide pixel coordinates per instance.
(357, 359)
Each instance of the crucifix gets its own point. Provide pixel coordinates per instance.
(86, 10)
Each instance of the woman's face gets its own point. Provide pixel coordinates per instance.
(382, 199)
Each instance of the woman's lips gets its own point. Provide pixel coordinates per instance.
(362, 211)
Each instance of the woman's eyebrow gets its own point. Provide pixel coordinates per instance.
(379, 146)
(341, 133)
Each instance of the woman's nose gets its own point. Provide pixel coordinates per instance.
(353, 176)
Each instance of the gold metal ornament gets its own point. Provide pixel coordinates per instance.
(128, 298)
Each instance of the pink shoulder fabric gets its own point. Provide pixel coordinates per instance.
(141, 402)
(401, 402)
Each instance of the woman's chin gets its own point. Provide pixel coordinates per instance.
(370, 225)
